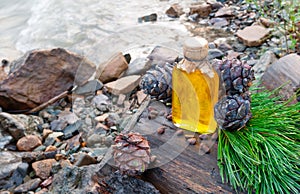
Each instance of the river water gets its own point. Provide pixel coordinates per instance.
(94, 28)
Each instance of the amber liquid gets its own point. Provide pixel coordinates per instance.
(193, 99)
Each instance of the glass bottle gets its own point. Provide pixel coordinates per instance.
(195, 86)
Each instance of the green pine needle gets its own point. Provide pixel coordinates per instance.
(263, 156)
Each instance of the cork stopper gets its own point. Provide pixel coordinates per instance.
(195, 48)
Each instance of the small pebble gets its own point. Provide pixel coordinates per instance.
(161, 130)
(169, 117)
(179, 132)
(203, 136)
(153, 158)
(152, 114)
(192, 141)
(204, 148)
(214, 136)
(50, 148)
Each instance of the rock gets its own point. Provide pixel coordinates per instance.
(51, 148)
(215, 53)
(123, 85)
(18, 176)
(5, 139)
(9, 163)
(42, 168)
(224, 12)
(47, 182)
(119, 184)
(28, 143)
(72, 130)
(3, 74)
(67, 181)
(58, 125)
(89, 88)
(30, 185)
(85, 159)
(219, 22)
(138, 67)
(60, 69)
(253, 35)
(141, 96)
(224, 47)
(94, 140)
(238, 47)
(284, 71)
(100, 100)
(162, 55)
(112, 69)
(19, 125)
(42, 191)
(266, 22)
(232, 55)
(203, 10)
(175, 11)
(215, 5)
(148, 18)
(264, 62)
(68, 116)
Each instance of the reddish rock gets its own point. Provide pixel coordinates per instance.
(42, 168)
(112, 69)
(203, 10)
(28, 143)
(123, 85)
(50, 148)
(141, 96)
(3, 74)
(224, 12)
(41, 75)
(253, 35)
(284, 71)
(266, 22)
(175, 11)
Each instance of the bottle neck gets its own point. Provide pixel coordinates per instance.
(191, 66)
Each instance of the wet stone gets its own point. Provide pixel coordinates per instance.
(148, 18)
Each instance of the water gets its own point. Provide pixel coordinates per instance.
(94, 28)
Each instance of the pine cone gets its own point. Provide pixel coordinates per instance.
(131, 153)
(237, 76)
(158, 82)
(233, 112)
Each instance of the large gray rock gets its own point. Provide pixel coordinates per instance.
(18, 125)
(9, 163)
(284, 71)
(41, 75)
